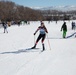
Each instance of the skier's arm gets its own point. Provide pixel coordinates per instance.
(36, 31)
(61, 27)
(46, 30)
(66, 28)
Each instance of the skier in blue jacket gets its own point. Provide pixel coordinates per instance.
(5, 27)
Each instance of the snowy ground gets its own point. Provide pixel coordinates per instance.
(15, 59)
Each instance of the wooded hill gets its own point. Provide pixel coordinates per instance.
(10, 11)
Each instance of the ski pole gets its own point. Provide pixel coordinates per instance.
(34, 39)
(48, 43)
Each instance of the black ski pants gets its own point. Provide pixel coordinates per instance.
(41, 36)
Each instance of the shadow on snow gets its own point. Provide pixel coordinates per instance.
(21, 51)
(62, 38)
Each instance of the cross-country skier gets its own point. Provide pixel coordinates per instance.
(64, 28)
(42, 35)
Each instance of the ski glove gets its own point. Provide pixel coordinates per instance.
(34, 33)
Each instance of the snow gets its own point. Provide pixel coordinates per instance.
(59, 8)
(15, 59)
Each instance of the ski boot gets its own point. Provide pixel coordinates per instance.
(34, 47)
(43, 47)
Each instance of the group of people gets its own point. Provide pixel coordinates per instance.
(8, 24)
(43, 30)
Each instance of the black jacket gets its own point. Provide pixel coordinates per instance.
(64, 27)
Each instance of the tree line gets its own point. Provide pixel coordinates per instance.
(10, 11)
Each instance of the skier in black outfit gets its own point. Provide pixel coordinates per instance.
(42, 35)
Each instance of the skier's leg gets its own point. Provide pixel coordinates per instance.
(34, 46)
(43, 46)
(4, 30)
(64, 34)
(39, 37)
(43, 38)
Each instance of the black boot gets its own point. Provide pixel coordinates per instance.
(43, 46)
(34, 46)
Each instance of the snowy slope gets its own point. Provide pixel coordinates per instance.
(15, 59)
(59, 8)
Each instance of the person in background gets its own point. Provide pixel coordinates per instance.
(5, 27)
(73, 25)
(42, 35)
(64, 28)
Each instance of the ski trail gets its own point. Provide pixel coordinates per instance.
(25, 63)
(20, 64)
(27, 66)
(71, 35)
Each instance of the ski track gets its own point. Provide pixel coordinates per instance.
(27, 64)
(19, 66)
